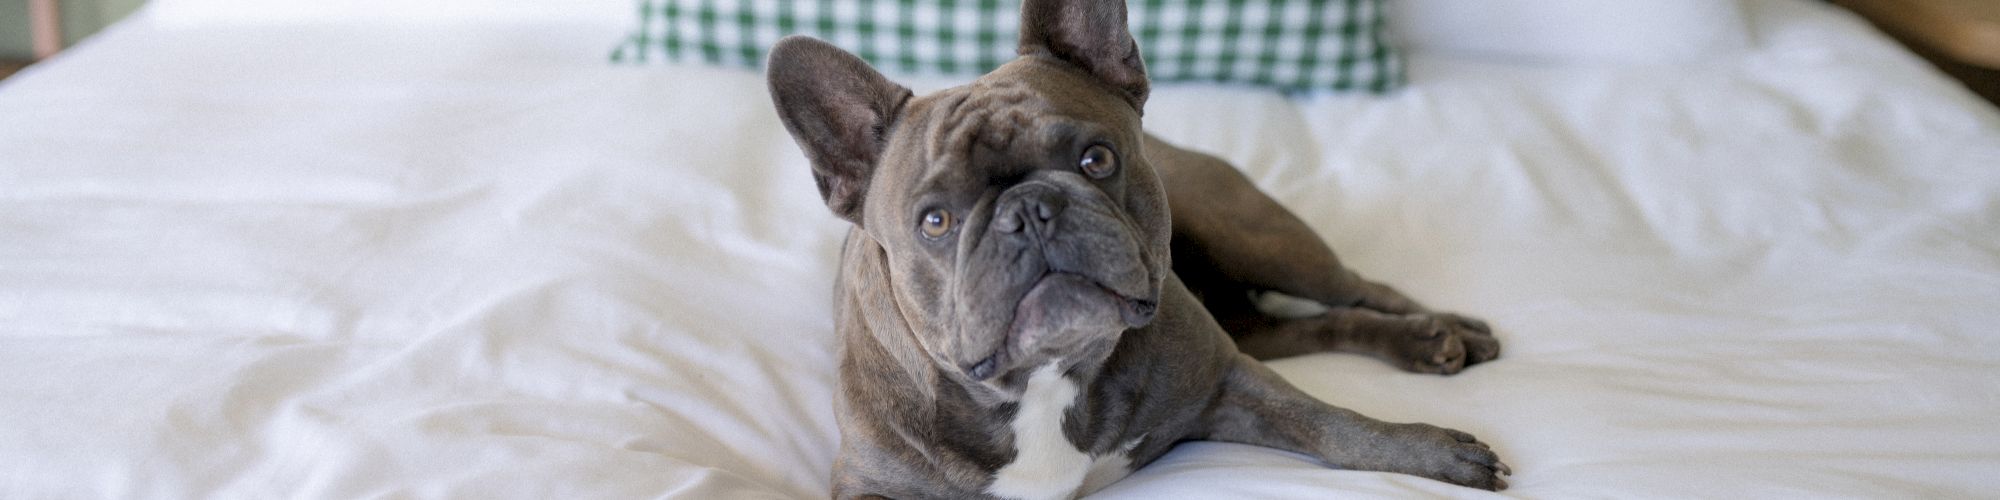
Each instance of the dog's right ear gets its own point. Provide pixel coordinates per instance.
(839, 110)
(1091, 34)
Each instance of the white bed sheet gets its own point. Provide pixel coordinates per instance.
(476, 261)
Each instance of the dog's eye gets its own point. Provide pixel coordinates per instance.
(936, 223)
(1098, 162)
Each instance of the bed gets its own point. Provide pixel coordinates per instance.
(247, 257)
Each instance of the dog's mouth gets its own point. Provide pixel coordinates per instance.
(1076, 297)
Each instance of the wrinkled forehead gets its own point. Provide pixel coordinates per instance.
(1066, 88)
(1029, 105)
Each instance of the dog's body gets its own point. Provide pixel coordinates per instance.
(1011, 322)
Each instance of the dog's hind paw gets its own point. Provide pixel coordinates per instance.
(1444, 344)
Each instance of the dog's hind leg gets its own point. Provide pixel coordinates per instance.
(1222, 222)
(1424, 343)
(1231, 239)
(1421, 343)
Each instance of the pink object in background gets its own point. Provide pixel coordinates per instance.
(47, 27)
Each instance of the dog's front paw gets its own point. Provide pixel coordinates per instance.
(1445, 344)
(1449, 455)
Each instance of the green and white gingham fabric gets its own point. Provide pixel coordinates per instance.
(1291, 45)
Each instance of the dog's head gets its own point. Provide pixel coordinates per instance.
(1020, 220)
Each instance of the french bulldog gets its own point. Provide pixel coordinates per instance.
(1037, 297)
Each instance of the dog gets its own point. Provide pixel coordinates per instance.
(1037, 297)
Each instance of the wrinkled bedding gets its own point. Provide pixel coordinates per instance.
(475, 260)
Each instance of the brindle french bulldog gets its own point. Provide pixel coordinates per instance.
(1012, 323)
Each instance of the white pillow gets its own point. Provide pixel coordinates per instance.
(184, 13)
(1572, 31)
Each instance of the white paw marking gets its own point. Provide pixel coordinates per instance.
(1285, 306)
(1045, 464)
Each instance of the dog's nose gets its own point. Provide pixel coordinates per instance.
(1031, 210)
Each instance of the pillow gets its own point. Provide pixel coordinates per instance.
(1295, 45)
(1572, 31)
(195, 13)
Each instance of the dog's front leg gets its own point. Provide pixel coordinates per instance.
(1258, 407)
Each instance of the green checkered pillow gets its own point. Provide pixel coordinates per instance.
(1293, 45)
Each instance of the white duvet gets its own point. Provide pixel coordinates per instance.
(477, 261)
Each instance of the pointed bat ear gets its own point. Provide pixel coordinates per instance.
(839, 110)
(1091, 34)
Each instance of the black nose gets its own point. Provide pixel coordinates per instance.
(1031, 211)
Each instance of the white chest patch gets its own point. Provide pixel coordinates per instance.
(1045, 464)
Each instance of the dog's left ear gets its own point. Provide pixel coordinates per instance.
(1090, 34)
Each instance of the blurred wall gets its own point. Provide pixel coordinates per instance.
(81, 18)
